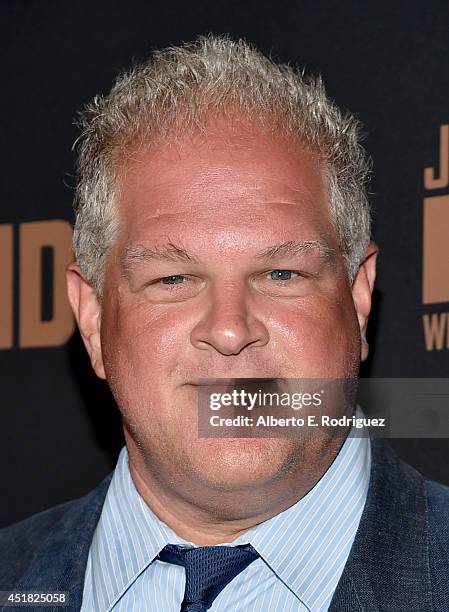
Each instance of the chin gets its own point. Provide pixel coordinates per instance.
(242, 463)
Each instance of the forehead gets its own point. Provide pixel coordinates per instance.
(219, 183)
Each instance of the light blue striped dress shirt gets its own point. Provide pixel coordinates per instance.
(302, 550)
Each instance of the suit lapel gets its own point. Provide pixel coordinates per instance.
(387, 568)
(60, 563)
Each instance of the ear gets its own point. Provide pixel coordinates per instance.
(362, 290)
(87, 311)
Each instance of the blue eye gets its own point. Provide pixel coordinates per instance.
(172, 280)
(281, 275)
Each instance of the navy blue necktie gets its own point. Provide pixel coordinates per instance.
(208, 570)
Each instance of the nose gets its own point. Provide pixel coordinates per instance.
(229, 326)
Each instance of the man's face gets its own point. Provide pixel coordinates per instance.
(226, 266)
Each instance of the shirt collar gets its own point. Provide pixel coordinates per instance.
(134, 533)
(295, 543)
(314, 536)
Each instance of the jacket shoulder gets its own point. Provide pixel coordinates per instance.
(438, 496)
(438, 521)
(23, 537)
(438, 512)
(48, 535)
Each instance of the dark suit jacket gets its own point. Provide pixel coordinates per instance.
(399, 561)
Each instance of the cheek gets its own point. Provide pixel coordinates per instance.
(320, 338)
(141, 349)
(139, 337)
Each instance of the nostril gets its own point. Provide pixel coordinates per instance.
(229, 331)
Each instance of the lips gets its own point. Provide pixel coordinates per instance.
(229, 382)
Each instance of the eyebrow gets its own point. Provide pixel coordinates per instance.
(169, 252)
(296, 248)
(175, 253)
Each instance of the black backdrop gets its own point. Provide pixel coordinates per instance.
(389, 64)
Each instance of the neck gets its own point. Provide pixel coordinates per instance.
(216, 517)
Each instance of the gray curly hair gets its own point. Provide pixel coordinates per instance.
(178, 89)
